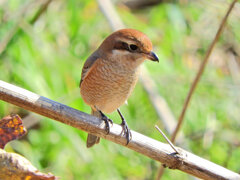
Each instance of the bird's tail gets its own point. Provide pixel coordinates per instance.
(91, 139)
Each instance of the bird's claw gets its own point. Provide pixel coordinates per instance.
(111, 121)
(107, 122)
(126, 131)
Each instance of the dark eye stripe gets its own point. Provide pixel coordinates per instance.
(124, 46)
(121, 45)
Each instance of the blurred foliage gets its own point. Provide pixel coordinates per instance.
(47, 56)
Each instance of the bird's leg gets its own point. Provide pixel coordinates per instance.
(106, 120)
(125, 127)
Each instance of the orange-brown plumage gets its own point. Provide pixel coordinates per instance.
(110, 74)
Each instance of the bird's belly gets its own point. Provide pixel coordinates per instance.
(107, 92)
(110, 104)
(117, 95)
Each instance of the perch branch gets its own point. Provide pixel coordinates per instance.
(185, 161)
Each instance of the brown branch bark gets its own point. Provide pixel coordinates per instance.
(156, 150)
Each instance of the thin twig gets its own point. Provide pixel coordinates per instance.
(200, 71)
(166, 138)
(196, 80)
(159, 103)
(151, 148)
(40, 11)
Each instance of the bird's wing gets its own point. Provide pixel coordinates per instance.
(88, 66)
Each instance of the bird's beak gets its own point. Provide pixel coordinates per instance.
(152, 56)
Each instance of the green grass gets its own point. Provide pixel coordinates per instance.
(47, 58)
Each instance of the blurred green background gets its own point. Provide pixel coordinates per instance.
(46, 55)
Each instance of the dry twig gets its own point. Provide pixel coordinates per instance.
(185, 161)
(200, 71)
(165, 137)
(197, 78)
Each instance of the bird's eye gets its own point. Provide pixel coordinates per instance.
(133, 47)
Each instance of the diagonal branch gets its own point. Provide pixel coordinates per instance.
(196, 80)
(200, 71)
(156, 150)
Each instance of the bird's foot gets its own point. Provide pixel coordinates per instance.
(125, 127)
(126, 131)
(107, 121)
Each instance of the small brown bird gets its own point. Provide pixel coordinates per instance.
(110, 74)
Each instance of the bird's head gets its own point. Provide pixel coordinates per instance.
(128, 45)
